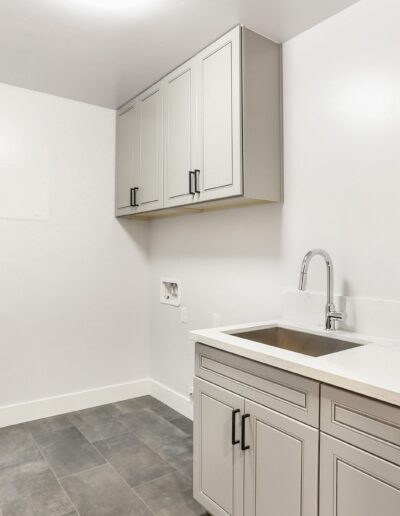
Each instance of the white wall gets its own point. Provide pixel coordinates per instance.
(79, 290)
(342, 184)
(229, 263)
(342, 158)
(73, 279)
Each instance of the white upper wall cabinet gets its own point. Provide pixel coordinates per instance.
(219, 167)
(180, 135)
(150, 150)
(208, 135)
(127, 171)
(139, 166)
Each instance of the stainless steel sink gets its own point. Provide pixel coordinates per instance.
(298, 341)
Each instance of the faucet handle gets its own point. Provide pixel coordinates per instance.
(332, 317)
(336, 316)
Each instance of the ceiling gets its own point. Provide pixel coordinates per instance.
(106, 51)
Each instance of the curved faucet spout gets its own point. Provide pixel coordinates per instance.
(330, 312)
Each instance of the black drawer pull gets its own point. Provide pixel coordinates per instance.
(134, 203)
(191, 174)
(196, 180)
(243, 444)
(234, 440)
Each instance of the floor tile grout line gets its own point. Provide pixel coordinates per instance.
(143, 502)
(151, 448)
(155, 449)
(116, 418)
(113, 468)
(104, 407)
(156, 479)
(93, 444)
(121, 435)
(82, 471)
(147, 408)
(176, 419)
(20, 463)
(126, 483)
(167, 462)
(54, 473)
(186, 477)
(74, 425)
(112, 437)
(166, 420)
(77, 472)
(175, 470)
(137, 486)
(106, 460)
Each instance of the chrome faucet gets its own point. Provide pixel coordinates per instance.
(331, 315)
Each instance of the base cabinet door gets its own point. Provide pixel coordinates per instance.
(218, 471)
(356, 483)
(281, 464)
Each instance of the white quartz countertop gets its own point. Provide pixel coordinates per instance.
(372, 369)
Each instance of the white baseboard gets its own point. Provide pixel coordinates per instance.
(173, 399)
(46, 407)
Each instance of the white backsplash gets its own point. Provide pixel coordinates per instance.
(378, 317)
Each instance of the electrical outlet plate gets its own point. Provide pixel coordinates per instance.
(216, 320)
(170, 291)
(184, 314)
(190, 391)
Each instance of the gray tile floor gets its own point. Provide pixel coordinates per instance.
(131, 458)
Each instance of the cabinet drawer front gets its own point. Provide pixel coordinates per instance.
(284, 392)
(368, 424)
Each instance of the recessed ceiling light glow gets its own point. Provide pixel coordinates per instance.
(138, 6)
(112, 4)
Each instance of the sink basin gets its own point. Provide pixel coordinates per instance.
(298, 341)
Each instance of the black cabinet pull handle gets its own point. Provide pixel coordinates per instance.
(191, 173)
(196, 180)
(234, 440)
(134, 204)
(243, 443)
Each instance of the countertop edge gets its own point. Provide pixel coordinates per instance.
(217, 339)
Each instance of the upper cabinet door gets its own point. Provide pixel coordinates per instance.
(220, 160)
(281, 465)
(126, 159)
(150, 166)
(179, 136)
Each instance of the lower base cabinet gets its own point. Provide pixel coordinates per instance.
(281, 465)
(271, 443)
(250, 460)
(356, 483)
(218, 464)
